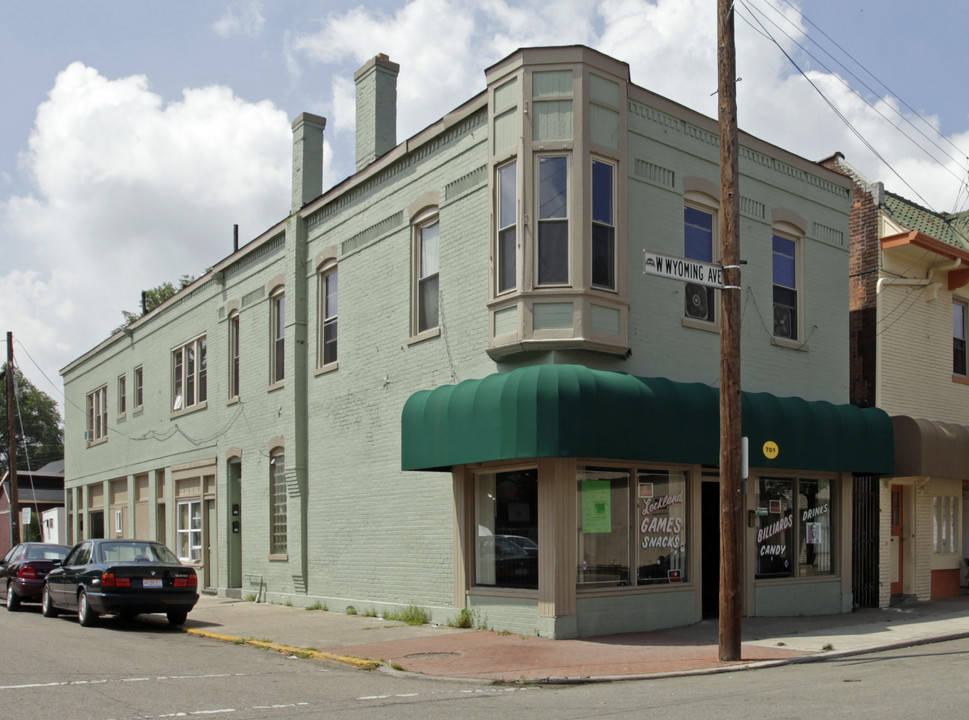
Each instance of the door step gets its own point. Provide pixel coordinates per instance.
(902, 600)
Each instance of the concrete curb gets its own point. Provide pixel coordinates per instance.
(361, 663)
(740, 666)
(368, 664)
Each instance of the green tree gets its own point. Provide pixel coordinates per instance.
(156, 296)
(40, 438)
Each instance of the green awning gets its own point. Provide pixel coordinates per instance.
(574, 411)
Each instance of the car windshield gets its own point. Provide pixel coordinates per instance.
(46, 552)
(133, 551)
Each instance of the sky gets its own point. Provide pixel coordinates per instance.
(134, 135)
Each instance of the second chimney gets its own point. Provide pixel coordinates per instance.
(376, 109)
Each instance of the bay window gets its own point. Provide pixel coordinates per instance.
(603, 225)
(553, 220)
(507, 198)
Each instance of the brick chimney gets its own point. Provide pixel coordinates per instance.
(307, 159)
(376, 109)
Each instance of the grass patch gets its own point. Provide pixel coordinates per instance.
(412, 615)
(351, 610)
(464, 619)
(317, 606)
(250, 597)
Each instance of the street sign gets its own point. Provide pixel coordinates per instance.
(677, 268)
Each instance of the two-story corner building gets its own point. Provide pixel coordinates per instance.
(909, 299)
(447, 382)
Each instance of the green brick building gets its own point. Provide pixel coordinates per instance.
(447, 382)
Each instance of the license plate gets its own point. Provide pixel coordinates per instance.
(151, 583)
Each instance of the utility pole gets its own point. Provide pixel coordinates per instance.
(731, 501)
(12, 447)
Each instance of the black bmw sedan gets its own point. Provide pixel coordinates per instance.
(120, 577)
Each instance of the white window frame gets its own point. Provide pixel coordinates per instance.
(542, 221)
(506, 222)
(945, 524)
(190, 375)
(780, 311)
(695, 294)
(960, 334)
(426, 274)
(234, 346)
(603, 225)
(189, 538)
(97, 415)
(327, 317)
(277, 345)
(122, 395)
(139, 387)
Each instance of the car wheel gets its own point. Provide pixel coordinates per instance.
(13, 601)
(85, 615)
(177, 618)
(46, 606)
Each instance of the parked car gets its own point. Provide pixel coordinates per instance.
(120, 577)
(23, 569)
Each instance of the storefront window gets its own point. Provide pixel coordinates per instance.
(603, 517)
(661, 514)
(506, 511)
(783, 528)
(815, 551)
(623, 525)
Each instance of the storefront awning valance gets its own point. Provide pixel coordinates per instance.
(924, 448)
(574, 411)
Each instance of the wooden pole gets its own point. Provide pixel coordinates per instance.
(731, 501)
(12, 447)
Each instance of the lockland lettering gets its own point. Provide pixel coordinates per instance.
(661, 503)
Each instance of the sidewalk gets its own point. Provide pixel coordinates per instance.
(486, 655)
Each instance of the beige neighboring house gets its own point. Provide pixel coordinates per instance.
(909, 326)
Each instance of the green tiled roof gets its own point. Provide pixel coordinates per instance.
(952, 229)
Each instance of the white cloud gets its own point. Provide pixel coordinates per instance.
(129, 193)
(443, 47)
(242, 18)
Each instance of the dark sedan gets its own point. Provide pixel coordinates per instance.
(120, 577)
(23, 569)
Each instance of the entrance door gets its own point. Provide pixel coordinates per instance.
(896, 554)
(211, 545)
(710, 548)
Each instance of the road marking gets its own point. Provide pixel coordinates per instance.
(67, 683)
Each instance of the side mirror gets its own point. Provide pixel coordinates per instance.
(56, 563)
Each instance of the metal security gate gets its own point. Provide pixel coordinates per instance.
(864, 542)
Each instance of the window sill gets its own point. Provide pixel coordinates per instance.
(797, 580)
(422, 336)
(789, 344)
(278, 557)
(328, 368)
(960, 379)
(712, 327)
(138, 410)
(189, 410)
(583, 591)
(99, 441)
(276, 386)
(491, 591)
(232, 400)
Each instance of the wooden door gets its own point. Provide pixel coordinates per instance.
(897, 556)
